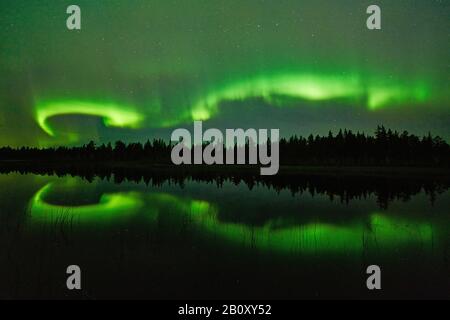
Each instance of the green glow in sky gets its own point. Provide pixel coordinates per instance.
(314, 87)
(310, 87)
(146, 67)
(113, 115)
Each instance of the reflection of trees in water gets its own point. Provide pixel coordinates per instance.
(343, 188)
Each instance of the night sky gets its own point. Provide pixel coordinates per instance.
(140, 68)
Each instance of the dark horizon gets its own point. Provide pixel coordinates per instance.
(384, 148)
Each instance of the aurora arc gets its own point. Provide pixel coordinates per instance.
(302, 86)
(313, 87)
(113, 114)
(149, 66)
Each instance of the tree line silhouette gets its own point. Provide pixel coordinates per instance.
(343, 188)
(385, 148)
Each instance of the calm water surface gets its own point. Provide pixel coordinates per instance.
(203, 241)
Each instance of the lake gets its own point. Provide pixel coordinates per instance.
(222, 238)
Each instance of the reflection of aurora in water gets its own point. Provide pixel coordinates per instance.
(302, 86)
(380, 231)
(110, 206)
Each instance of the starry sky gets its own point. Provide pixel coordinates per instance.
(138, 69)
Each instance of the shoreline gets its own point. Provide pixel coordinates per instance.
(285, 170)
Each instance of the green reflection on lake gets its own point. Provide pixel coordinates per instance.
(110, 206)
(378, 230)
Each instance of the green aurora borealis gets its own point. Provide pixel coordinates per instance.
(140, 68)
